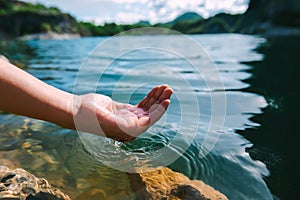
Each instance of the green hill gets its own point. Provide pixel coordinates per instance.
(18, 18)
(262, 17)
(188, 17)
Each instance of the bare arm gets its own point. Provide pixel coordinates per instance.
(23, 94)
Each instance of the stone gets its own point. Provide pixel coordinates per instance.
(18, 184)
(163, 183)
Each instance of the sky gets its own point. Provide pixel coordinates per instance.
(132, 11)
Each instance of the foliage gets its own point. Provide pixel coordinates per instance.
(45, 27)
(186, 23)
(108, 29)
(8, 7)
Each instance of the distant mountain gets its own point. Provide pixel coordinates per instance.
(188, 17)
(270, 17)
(275, 17)
(143, 23)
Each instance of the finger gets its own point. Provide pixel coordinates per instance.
(157, 113)
(148, 97)
(165, 103)
(156, 96)
(166, 94)
(160, 91)
(153, 91)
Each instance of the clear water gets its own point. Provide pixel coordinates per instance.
(59, 155)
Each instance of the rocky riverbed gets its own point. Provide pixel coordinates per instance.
(19, 184)
(161, 183)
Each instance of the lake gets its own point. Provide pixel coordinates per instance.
(232, 122)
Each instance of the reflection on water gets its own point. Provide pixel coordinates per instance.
(277, 138)
(58, 154)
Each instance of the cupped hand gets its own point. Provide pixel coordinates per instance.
(99, 114)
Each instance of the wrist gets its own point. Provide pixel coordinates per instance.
(70, 110)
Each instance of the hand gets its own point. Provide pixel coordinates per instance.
(101, 115)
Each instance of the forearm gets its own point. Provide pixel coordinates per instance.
(23, 94)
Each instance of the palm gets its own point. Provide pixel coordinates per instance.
(124, 122)
(129, 121)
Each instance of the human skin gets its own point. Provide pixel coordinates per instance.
(23, 94)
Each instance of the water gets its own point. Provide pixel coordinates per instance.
(60, 156)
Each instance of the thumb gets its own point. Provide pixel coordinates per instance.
(156, 111)
(144, 121)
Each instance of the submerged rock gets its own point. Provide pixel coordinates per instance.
(17, 184)
(164, 183)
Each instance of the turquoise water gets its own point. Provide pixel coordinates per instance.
(60, 156)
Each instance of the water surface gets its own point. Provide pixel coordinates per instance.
(59, 155)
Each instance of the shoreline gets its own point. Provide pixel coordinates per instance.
(50, 36)
(267, 31)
